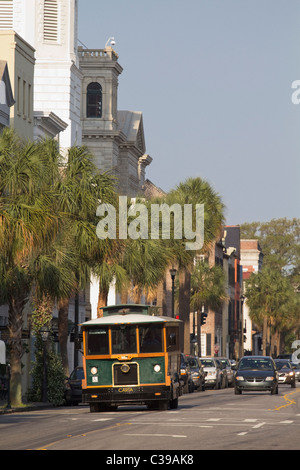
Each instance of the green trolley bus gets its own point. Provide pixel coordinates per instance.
(131, 357)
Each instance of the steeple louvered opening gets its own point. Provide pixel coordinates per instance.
(51, 20)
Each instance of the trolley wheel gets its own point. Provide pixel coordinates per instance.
(97, 407)
(174, 403)
(163, 405)
(94, 407)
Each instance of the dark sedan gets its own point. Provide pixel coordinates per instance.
(73, 392)
(256, 373)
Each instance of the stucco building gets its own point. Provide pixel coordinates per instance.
(251, 260)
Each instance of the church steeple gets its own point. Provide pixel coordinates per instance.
(100, 70)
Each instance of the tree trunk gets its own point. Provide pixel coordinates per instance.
(184, 308)
(102, 301)
(264, 337)
(15, 324)
(63, 310)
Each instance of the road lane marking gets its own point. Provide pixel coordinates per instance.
(259, 425)
(288, 400)
(155, 435)
(70, 436)
(102, 419)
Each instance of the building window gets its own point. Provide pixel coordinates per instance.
(50, 21)
(94, 100)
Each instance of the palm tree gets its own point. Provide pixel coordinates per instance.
(27, 228)
(194, 191)
(81, 188)
(207, 290)
(207, 286)
(145, 262)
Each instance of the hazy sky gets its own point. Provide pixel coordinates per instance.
(213, 79)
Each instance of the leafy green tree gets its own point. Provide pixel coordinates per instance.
(271, 299)
(279, 240)
(46, 360)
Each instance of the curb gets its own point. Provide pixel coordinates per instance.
(25, 407)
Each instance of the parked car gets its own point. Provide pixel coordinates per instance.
(214, 374)
(296, 367)
(226, 365)
(256, 373)
(286, 373)
(186, 375)
(197, 372)
(73, 392)
(285, 356)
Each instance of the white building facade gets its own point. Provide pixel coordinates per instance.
(50, 27)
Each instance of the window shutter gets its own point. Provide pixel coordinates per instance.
(50, 20)
(6, 14)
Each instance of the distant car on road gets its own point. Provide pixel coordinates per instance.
(286, 373)
(296, 367)
(197, 372)
(226, 364)
(186, 374)
(214, 374)
(256, 373)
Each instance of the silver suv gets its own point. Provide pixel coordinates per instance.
(214, 375)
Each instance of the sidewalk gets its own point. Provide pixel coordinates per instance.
(25, 407)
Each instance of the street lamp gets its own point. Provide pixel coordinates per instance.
(173, 272)
(44, 335)
(110, 40)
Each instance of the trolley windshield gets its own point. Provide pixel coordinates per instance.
(125, 339)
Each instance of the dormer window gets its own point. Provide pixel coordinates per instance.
(94, 100)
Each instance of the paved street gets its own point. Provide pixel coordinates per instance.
(210, 420)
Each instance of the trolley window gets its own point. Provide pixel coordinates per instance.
(172, 335)
(151, 338)
(97, 341)
(123, 339)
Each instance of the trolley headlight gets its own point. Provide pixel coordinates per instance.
(156, 368)
(94, 370)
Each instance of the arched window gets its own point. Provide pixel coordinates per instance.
(94, 100)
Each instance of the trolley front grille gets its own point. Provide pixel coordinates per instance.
(125, 374)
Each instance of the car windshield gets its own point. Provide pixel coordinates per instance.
(283, 365)
(77, 374)
(255, 364)
(208, 363)
(193, 363)
(224, 362)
